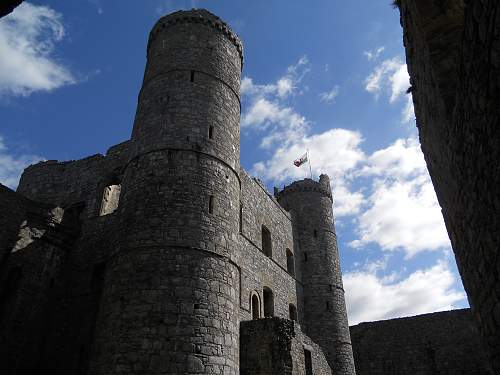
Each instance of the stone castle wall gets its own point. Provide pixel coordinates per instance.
(453, 56)
(278, 346)
(446, 343)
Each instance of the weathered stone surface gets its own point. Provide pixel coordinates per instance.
(452, 50)
(278, 346)
(438, 343)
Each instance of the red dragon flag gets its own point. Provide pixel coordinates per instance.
(302, 160)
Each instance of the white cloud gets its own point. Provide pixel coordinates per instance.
(12, 166)
(329, 97)
(266, 107)
(391, 77)
(27, 39)
(370, 297)
(402, 211)
(374, 54)
(335, 152)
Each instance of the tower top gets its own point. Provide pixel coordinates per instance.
(193, 16)
(307, 185)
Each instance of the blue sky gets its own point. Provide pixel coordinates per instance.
(326, 75)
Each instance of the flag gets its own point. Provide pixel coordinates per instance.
(303, 159)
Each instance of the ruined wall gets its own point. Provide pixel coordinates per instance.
(277, 346)
(453, 55)
(78, 181)
(33, 261)
(445, 343)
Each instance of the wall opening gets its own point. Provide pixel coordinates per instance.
(192, 76)
(305, 257)
(110, 199)
(290, 262)
(292, 312)
(327, 306)
(241, 217)
(315, 233)
(211, 202)
(308, 362)
(255, 307)
(210, 132)
(268, 302)
(267, 244)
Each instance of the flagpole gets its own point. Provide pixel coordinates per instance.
(309, 160)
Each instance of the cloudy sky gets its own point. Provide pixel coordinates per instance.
(324, 75)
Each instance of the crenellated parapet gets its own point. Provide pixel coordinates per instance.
(307, 186)
(196, 16)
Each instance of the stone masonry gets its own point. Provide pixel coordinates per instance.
(453, 56)
(445, 343)
(164, 256)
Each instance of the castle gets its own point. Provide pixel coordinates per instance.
(165, 257)
(147, 259)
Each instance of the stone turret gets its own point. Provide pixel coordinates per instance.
(171, 294)
(325, 317)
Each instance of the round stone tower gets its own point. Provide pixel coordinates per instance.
(325, 317)
(170, 302)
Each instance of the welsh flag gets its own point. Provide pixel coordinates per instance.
(298, 162)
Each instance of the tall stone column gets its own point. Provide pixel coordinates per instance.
(325, 316)
(170, 302)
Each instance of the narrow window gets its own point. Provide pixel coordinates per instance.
(327, 306)
(290, 263)
(110, 199)
(255, 307)
(292, 311)
(211, 205)
(308, 362)
(267, 245)
(268, 302)
(192, 75)
(305, 257)
(210, 132)
(241, 218)
(315, 233)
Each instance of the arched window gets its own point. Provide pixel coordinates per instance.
(110, 198)
(268, 302)
(292, 312)
(267, 244)
(290, 263)
(255, 306)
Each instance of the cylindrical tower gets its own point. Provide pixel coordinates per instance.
(325, 317)
(171, 293)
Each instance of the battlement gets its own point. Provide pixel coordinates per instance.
(305, 186)
(201, 16)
